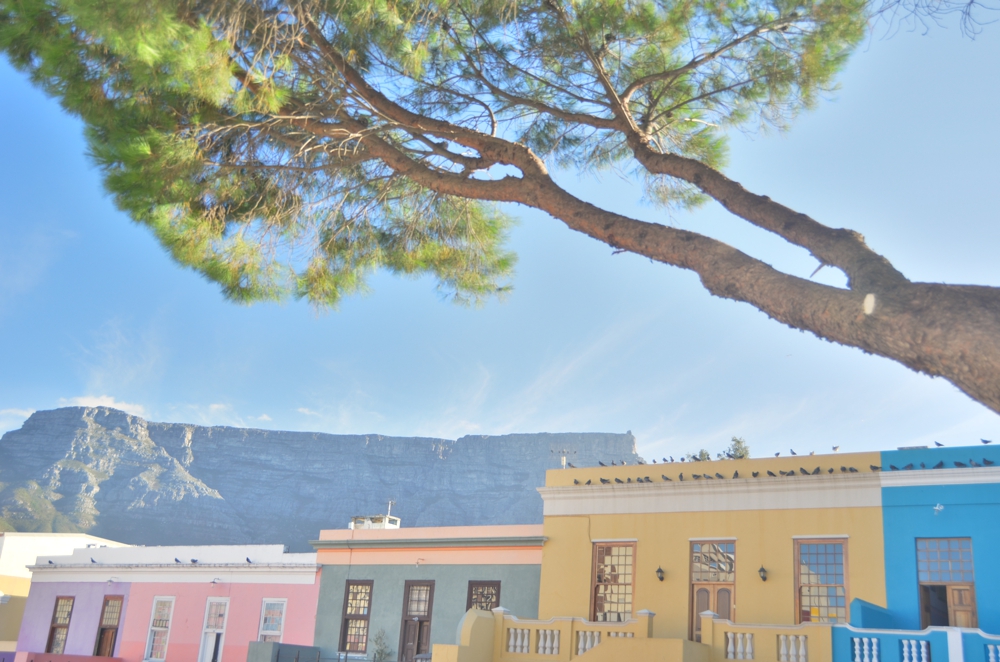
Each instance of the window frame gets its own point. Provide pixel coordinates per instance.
(152, 618)
(935, 582)
(284, 616)
(481, 582)
(797, 544)
(342, 644)
(100, 624)
(204, 627)
(53, 626)
(593, 574)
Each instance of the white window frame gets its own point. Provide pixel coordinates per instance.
(149, 636)
(284, 616)
(204, 627)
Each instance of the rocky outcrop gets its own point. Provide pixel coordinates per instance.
(115, 475)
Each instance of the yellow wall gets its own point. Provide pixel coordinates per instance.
(664, 539)
(10, 613)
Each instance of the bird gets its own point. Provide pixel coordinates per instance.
(576, 482)
(894, 467)
(791, 473)
(629, 480)
(648, 479)
(613, 463)
(605, 481)
(792, 451)
(708, 476)
(852, 470)
(923, 466)
(194, 560)
(681, 477)
(938, 444)
(939, 465)
(873, 467)
(601, 463)
(988, 462)
(973, 463)
(639, 461)
(51, 562)
(666, 478)
(665, 460)
(803, 471)
(986, 441)
(654, 460)
(623, 463)
(92, 560)
(736, 474)
(777, 454)
(619, 480)
(908, 467)
(570, 465)
(671, 458)
(696, 476)
(836, 448)
(959, 464)
(815, 471)
(783, 473)
(755, 473)
(771, 474)
(812, 452)
(830, 470)
(248, 560)
(177, 560)
(683, 459)
(587, 483)
(718, 475)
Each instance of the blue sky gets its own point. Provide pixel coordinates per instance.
(92, 311)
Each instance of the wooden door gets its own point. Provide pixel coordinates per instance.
(961, 605)
(714, 597)
(415, 630)
(107, 632)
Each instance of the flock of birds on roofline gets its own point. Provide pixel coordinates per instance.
(176, 560)
(802, 471)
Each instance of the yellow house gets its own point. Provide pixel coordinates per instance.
(707, 558)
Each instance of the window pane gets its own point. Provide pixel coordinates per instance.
(822, 597)
(356, 638)
(112, 612)
(161, 614)
(216, 616)
(358, 599)
(951, 562)
(613, 574)
(158, 647)
(484, 595)
(274, 613)
(716, 562)
(58, 640)
(417, 602)
(64, 606)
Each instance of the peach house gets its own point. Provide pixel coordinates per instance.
(169, 604)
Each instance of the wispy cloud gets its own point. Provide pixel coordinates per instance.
(22, 413)
(307, 412)
(264, 417)
(103, 401)
(117, 357)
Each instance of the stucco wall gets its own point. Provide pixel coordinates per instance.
(242, 625)
(88, 602)
(518, 593)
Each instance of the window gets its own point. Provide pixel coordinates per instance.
(215, 629)
(357, 610)
(483, 595)
(272, 619)
(107, 629)
(60, 626)
(612, 594)
(944, 560)
(713, 562)
(159, 628)
(821, 591)
(946, 579)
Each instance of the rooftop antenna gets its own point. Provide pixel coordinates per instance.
(392, 502)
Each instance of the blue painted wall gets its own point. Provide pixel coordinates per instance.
(970, 511)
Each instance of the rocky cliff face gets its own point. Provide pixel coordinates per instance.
(114, 475)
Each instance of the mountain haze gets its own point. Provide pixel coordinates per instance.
(115, 475)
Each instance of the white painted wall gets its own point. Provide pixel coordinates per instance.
(19, 550)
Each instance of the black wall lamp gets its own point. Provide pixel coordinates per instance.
(763, 574)
(659, 574)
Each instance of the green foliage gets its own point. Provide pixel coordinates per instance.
(380, 646)
(738, 450)
(701, 456)
(226, 128)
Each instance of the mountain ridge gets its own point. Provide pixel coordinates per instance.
(112, 474)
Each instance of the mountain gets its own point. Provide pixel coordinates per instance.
(111, 474)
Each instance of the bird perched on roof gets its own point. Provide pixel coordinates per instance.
(792, 451)
(570, 465)
(783, 473)
(601, 463)
(908, 467)
(648, 479)
(938, 444)
(894, 467)
(629, 480)
(960, 464)
(576, 482)
(623, 463)
(939, 465)
(755, 473)
(683, 459)
(671, 458)
(718, 475)
(812, 452)
(654, 460)
(51, 562)
(802, 471)
(92, 560)
(852, 470)
(619, 480)
(988, 462)
(836, 448)
(587, 483)
(605, 481)
(771, 474)
(696, 476)
(177, 560)
(194, 560)
(923, 466)
(873, 467)
(666, 478)
(816, 471)
(973, 463)
(830, 470)
(639, 462)
(777, 454)
(248, 560)
(986, 441)
(681, 477)
(736, 474)
(613, 463)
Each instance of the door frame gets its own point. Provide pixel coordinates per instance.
(100, 623)
(404, 618)
(947, 592)
(714, 588)
(204, 627)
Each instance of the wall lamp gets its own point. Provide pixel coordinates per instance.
(763, 574)
(659, 574)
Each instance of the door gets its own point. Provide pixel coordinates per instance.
(215, 628)
(962, 605)
(415, 630)
(948, 604)
(716, 598)
(107, 633)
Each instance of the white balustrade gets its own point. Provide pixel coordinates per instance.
(993, 652)
(548, 642)
(627, 635)
(586, 639)
(866, 649)
(792, 648)
(739, 646)
(915, 650)
(518, 640)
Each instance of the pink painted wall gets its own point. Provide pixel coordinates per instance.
(245, 604)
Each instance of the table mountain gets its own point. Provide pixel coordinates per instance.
(111, 474)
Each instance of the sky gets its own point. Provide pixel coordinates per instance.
(93, 311)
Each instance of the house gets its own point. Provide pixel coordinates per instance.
(175, 604)
(844, 557)
(17, 552)
(392, 593)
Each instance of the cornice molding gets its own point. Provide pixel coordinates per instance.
(930, 477)
(431, 543)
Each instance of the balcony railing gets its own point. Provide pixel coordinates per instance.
(933, 644)
(765, 643)
(526, 640)
(50, 657)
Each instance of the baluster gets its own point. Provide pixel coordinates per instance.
(729, 646)
(579, 643)
(906, 650)
(540, 644)
(555, 647)
(857, 648)
(510, 640)
(782, 648)
(993, 652)
(865, 643)
(875, 652)
(523, 648)
(739, 646)
(925, 651)
(749, 652)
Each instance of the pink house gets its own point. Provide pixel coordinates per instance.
(169, 604)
